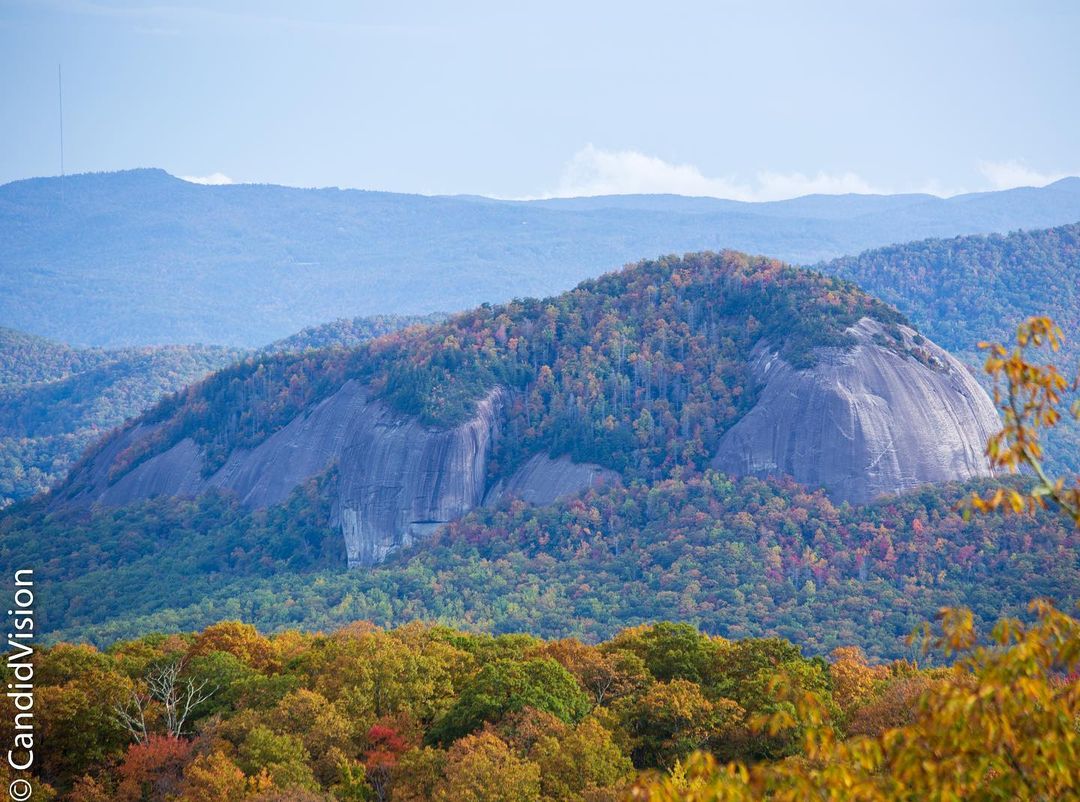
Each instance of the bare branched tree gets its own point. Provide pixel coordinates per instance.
(177, 698)
(132, 715)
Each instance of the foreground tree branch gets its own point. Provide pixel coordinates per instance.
(1029, 396)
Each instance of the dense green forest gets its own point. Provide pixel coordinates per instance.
(426, 712)
(745, 558)
(57, 400)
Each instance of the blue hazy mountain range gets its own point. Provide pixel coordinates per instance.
(142, 257)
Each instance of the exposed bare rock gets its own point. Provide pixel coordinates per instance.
(401, 481)
(543, 480)
(398, 481)
(304, 449)
(881, 417)
(177, 472)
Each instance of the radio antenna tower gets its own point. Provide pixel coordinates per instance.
(60, 87)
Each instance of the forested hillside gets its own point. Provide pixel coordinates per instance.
(965, 290)
(424, 712)
(640, 370)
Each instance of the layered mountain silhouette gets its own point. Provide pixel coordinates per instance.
(140, 257)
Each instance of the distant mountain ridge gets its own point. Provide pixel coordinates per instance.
(56, 400)
(141, 257)
(965, 289)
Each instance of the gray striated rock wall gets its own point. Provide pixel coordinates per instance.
(882, 417)
(175, 473)
(398, 481)
(305, 448)
(543, 480)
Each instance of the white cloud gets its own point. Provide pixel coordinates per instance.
(1009, 174)
(775, 186)
(214, 179)
(595, 171)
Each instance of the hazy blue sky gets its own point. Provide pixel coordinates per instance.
(736, 99)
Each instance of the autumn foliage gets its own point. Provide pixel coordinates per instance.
(1001, 723)
(658, 712)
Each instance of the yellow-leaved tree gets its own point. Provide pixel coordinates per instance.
(1030, 396)
(1002, 723)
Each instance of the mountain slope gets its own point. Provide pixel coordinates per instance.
(633, 379)
(141, 257)
(55, 400)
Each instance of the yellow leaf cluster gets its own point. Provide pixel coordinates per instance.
(1003, 723)
(1029, 396)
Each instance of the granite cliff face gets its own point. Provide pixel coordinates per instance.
(543, 480)
(890, 413)
(398, 480)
